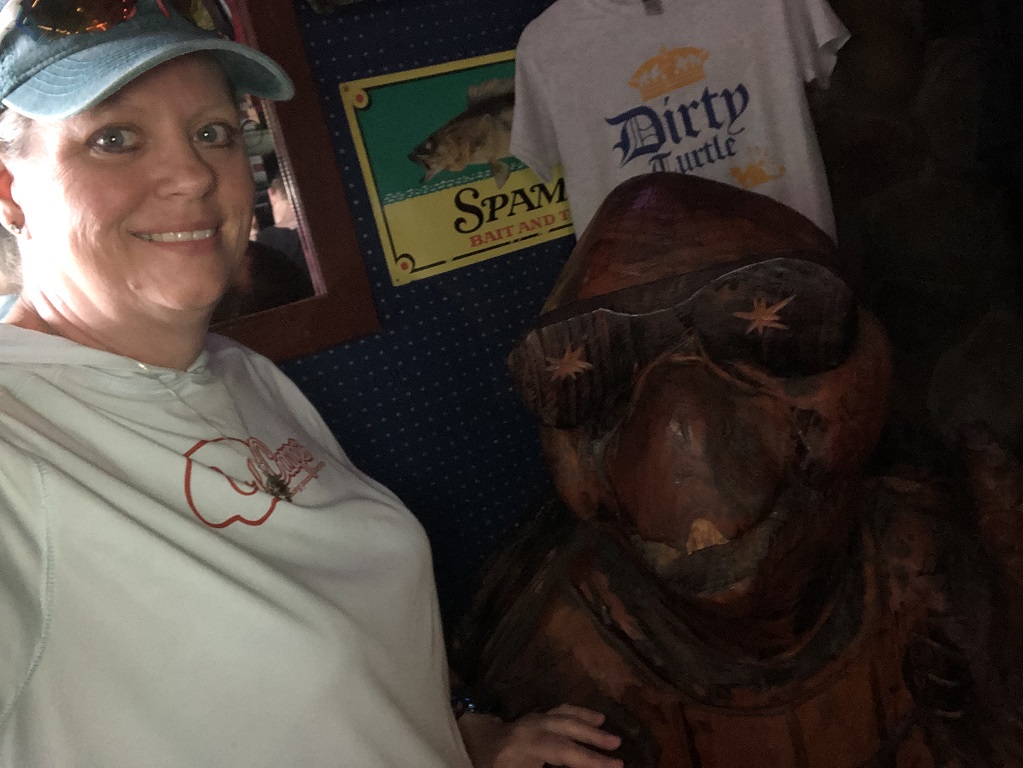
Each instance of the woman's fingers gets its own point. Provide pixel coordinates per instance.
(562, 737)
(566, 736)
(580, 725)
(570, 754)
(587, 715)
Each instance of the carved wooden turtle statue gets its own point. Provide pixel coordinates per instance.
(717, 576)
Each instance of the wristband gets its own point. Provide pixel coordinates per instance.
(462, 701)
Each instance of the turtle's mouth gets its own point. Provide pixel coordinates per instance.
(716, 569)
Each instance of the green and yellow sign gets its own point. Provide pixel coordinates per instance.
(433, 145)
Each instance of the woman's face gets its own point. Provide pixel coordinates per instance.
(139, 207)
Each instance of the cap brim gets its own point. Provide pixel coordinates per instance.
(82, 80)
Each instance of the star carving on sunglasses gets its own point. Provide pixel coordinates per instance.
(569, 365)
(762, 316)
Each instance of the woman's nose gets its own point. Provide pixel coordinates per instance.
(185, 171)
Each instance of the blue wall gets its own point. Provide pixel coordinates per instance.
(426, 406)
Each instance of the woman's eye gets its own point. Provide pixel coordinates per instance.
(217, 134)
(114, 139)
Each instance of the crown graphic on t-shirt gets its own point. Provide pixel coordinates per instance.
(760, 170)
(669, 70)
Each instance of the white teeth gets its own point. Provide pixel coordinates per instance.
(177, 237)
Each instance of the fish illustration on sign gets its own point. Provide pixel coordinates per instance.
(480, 134)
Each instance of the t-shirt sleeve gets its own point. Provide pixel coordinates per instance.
(819, 35)
(533, 140)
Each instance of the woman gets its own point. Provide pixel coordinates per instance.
(192, 573)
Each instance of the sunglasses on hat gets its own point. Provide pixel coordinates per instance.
(48, 19)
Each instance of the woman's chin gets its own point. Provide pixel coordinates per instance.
(187, 309)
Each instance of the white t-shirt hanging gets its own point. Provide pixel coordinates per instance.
(711, 87)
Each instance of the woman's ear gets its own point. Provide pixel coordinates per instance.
(12, 217)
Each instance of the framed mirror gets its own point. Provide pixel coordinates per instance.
(341, 307)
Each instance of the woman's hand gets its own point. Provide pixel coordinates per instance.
(563, 736)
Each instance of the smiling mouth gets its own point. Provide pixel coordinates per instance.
(176, 237)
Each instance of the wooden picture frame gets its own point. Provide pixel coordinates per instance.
(342, 307)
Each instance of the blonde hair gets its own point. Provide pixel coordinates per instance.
(14, 133)
(15, 130)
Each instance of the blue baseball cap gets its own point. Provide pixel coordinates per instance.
(54, 78)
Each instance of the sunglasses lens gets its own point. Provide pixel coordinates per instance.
(52, 18)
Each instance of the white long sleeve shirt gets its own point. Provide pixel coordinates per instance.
(163, 603)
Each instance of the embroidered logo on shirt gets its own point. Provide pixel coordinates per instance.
(230, 480)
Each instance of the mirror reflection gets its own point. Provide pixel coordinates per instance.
(278, 263)
(272, 309)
